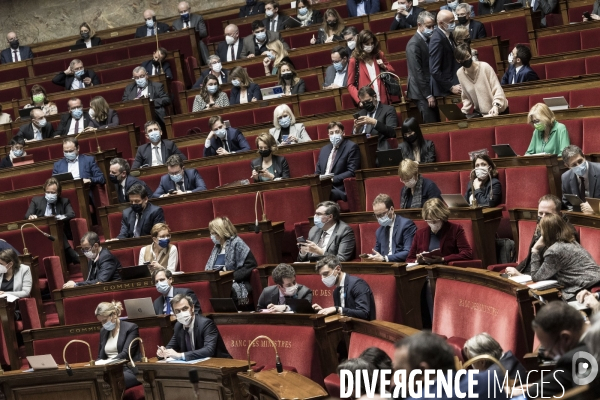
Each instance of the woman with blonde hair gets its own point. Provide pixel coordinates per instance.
(286, 130)
(40, 99)
(161, 253)
(244, 89)
(289, 80)
(230, 253)
(549, 136)
(113, 344)
(88, 36)
(417, 190)
(275, 56)
(268, 167)
(462, 35)
(101, 115)
(210, 95)
(331, 31)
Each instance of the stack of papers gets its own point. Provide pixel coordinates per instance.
(577, 305)
(108, 361)
(174, 361)
(521, 278)
(9, 297)
(541, 285)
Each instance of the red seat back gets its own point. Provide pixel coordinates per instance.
(389, 185)
(53, 272)
(230, 207)
(514, 135)
(359, 342)
(447, 182)
(584, 97)
(462, 142)
(591, 140)
(257, 246)
(526, 231)
(233, 171)
(564, 68)
(589, 240)
(563, 42)
(367, 237)
(300, 163)
(179, 214)
(535, 179)
(193, 254)
(442, 146)
(13, 210)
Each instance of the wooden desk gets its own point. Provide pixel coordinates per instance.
(269, 385)
(99, 382)
(218, 379)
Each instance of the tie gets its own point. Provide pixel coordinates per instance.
(322, 240)
(76, 127)
(385, 246)
(330, 164)
(168, 305)
(582, 189)
(232, 53)
(188, 340)
(272, 25)
(137, 227)
(53, 209)
(139, 93)
(151, 31)
(16, 55)
(157, 155)
(178, 186)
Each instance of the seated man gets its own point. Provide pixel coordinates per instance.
(580, 180)
(519, 70)
(75, 121)
(406, 15)
(38, 128)
(336, 75)
(17, 53)
(215, 67)
(394, 236)
(476, 28)
(188, 20)
(142, 87)
(274, 21)
(352, 296)
(339, 159)
(205, 340)
(251, 8)
(119, 176)
(178, 180)
(81, 166)
(375, 118)
(139, 219)
(273, 297)
(222, 140)
(152, 27)
(231, 48)
(255, 45)
(163, 280)
(102, 264)
(157, 151)
(153, 67)
(329, 236)
(76, 77)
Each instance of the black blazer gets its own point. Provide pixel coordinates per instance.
(26, 131)
(299, 87)
(427, 151)
(223, 49)
(253, 91)
(159, 303)
(204, 74)
(105, 269)
(112, 120)
(151, 216)
(165, 66)
(248, 11)
(61, 207)
(96, 41)
(207, 340)
(196, 21)
(192, 181)
(6, 162)
(25, 53)
(359, 300)
(128, 331)
(144, 153)
(322, 37)
(345, 164)
(129, 182)
(485, 9)
(142, 31)
(410, 21)
(281, 20)
(235, 142)
(270, 295)
(442, 64)
(61, 79)
(476, 29)
(156, 93)
(525, 74)
(387, 121)
(429, 190)
(65, 123)
(483, 193)
(417, 61)
(570, 183)
(281, 169)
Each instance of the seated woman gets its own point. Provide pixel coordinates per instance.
(210, 95)
(306, 15)
(331, 31)
(115, 337)
(414, 146)
(417, 190)
(462, 35)
(487, 194)
(446, 237)
(5, 118)
(101, 116)
(275, 56)
(289, 81)
(481, 88)
(15, 277)
(161, 253)
(273, 297)
(17, 149)
(286, 130)
(230, 253)
(268, 167)
(549, 136)
(564, 259)
(40, 99)
(88, 36)
(244, 89)
(485, 344)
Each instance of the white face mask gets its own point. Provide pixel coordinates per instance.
(3, 269)
(351, 44)
(91, 113)
(329, 281)
(435, 226)
(184, 318)
(368, 49)
(481, 172)
(217, 67)
(291, 291)
(410, 184)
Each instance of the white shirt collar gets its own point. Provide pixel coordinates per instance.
(330, 230)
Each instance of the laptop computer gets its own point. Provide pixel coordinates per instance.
(134, 272)
(452, 112)
(25, 113)
(594, 203)
(573, 199)
(389, 158)
(272, 92)
(557, 103)
(504, 150)
(39, 363)
(226, 305)
(139, 308)
(67, 176)
(301, 306)
(78, 46)
(292, 23)
(455, 200)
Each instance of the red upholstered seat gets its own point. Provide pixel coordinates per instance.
(178, 215)
(193, 254)
(512, 29)
(30, 179)
(257, 246)
(132, 115)
(29, 313)
(447, 182)
(37, 244)
(317, 106)
(517, 135)
(54, 274)
(584, 97)
(462, 142)
(526, 231)
(114, 223)
(535, 179)
(539, 98)
(78, 229)
(591, 140)
(233, 171)
(311, 82)
(135, 393)
(540, 70)
(300, 163)
(575, 129)
(231, 207)
(125, 256)
(588, 38)
(398, 44)
(564, 68)
(78, 352)
(317, 59)
(347, 102)
(389, 185)
(367, 237)
(576, 13)
(592, 65)
(589, 240)
(15, 74)
(567, 41)
(13, 210)
(210, 176)
(401, 67)
(442, 146)
(486, 53)
(194, 151)
(381, 25)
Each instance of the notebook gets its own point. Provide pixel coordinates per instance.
(225, 305)
(134, 272)
(452, 112)
(302, 306)
(557, 103)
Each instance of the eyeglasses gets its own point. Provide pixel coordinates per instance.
(175, 173)
(84, 249)
(383, 214)
(80, 68)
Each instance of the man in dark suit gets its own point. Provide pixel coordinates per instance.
(339, 159)
(38, 128)
(73, 122)
(80, 165)
(329, 236)
(205, 341)
(76, 77)
(476, 28)
(251, 8)
(352, 296)
(582, 179)
(119, 176)
(142, 87)
(188, 20)
(406, 15)
(151, 27)
(15, 53)
(394, 236)
(375, 118)
(139, 219)
(157, 151)
(274, 21)
(222, 140)
(273, 297)
(154, 66)
(162, 278)
(256, 44)
(336, 75)
(544, 6)
(102, 264)
(231, 48)
(357, 8)
(519, 70)
(419, 75)
(215, 68)
(442, 63)
(179, 180)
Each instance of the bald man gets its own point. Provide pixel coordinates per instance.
(38, 128)
(442, 64)
(231, 48)
(14, 53)
(152, 26)
(188, 20)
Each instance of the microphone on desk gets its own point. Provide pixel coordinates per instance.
(278, 364)
(25, 251)
(144, 358)
(67, 366)
(91, 129)
(264, 216)
(193, 374)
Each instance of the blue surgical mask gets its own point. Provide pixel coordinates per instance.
(42, 122)
(185, 16)
(270, 55)
(260, 36)
(318, 223)
(51, 197)
(141, 82)
(17, 153)
(236, 82)
(215, 240)
(427, 33)
(77, 113)
(303, 11)
(150, 23)
(212, 89)
(176, 178)
(109, 325)
(453, 4)
(79, 74)
(163, 287)
(451, 27)
(154, 136)
(221, 133)
(385, 220)
(269, 13)
(581, 169)
(338, 66)
(285, 121)
(335, 139)
(70, 156)
(164, 242)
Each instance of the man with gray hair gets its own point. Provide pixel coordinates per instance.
(76, 77)
(463, 15)
(119, 176)
(485, 344)
(406, 15)
(214, 68)
(152, 27)
(582, 179)
(188, 20)
(142, 87)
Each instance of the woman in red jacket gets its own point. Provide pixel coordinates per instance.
(446, 236)
(371, 62)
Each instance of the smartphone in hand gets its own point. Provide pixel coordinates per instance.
(301, 239)
(355, 116)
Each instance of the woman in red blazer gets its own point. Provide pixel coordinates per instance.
(450, 238)
(371, 62)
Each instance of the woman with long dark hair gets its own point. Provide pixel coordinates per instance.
(210, 95)
(487, 194)
(414, 146)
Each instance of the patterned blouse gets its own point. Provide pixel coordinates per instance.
(200, 104)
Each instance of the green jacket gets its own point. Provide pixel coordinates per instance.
(557, 141)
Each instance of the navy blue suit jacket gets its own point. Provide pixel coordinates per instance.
(88, 169)
(345, 164)
(24, 54)
(165, 66)
(105, 269)
(253, 91)
(442, 64)
(207, 340)
(359, 301)
(403, 234)
(371, 7)
(526, 74)
(235, 142)
(129, 182)
(192, 182)
(150, 216)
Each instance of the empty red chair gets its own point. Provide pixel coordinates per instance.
(442, 145)
(462, 142)
(512, 29)
(318, 59)
(29, 314)
(233, 171)
(587, 38)
(400, 66)
(526, 231)
(589, 240)
(193, 254)
(347, 102)
(367, 237)
(585, 98)
(317, 106)
(125, 256)
(447, 182)
(540, 70)
(257, 246)
(231, 208)
(389, 185)
(54, 273)
(559, 69)
(486, 53)
(210, 176)
(178, 215)
(397, 44)
(176, 87)
(300, 163)
(592, 65)
(576, 13)
(591, 140)
(567, 41)
(517, 135)
(535, 179)
(575, 129)
(539, 98)
(13, 210)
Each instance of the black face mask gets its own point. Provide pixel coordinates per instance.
(137, 208)
(332, 23)
(287, 76)
(156, 63)
(368, 105)
(85, 35)
(410, 139)
(264, 153)
(462, 20)
(114, 178)
(14, 44)
(250, 2)
(467, 63)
